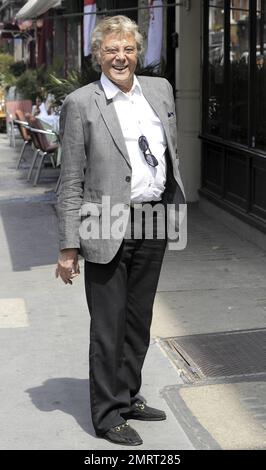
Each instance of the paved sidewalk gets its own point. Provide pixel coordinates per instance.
(13, 183)
(217, 284)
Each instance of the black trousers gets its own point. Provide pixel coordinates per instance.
(120, 298)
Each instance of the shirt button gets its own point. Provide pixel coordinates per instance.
(128, 178)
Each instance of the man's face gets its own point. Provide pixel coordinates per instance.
(118, 59)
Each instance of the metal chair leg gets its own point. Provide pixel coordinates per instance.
(58, 184)
(36, 179)
(9, 132)
(12, 139)
(35, 156)
(22, 153)
(52, 160)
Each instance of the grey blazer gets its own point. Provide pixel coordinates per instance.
(95, 161)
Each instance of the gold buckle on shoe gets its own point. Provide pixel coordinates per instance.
(141, 406)
(118, 428)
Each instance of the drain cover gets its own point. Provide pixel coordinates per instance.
(215, 355)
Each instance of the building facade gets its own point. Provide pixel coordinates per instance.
(10, 37)
(220, 85)
(234, 107)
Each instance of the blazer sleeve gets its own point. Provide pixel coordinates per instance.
(72, 174)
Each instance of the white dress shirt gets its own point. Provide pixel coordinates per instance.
(136, 118)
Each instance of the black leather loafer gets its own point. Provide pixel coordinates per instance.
(143, 412)
(123, 435)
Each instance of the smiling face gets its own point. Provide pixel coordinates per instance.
(118, 59)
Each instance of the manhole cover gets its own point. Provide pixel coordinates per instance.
(216, 355)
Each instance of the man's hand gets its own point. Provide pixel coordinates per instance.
(67, 265)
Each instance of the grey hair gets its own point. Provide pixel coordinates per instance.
(113, 24)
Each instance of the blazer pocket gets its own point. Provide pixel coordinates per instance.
(172, 120)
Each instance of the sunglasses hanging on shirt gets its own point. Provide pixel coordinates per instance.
(145, 148)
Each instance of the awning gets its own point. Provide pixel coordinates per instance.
(34, 8)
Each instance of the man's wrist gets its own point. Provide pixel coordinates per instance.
(69, 253)
(68, 249)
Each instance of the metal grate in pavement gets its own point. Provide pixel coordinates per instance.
(216, 355)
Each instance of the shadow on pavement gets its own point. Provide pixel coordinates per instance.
(71, 396)
(30, 231)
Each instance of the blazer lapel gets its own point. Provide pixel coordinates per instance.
(152, 97)
(110, 118)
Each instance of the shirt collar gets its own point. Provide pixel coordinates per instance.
(111, 90)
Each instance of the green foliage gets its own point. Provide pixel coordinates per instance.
(33, 82)
(61, 87)
(57, 66)
(18, 68)
(6, 77)
(5, 61)
(27, 85)
(2, 49)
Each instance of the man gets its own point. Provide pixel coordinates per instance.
(118, 144)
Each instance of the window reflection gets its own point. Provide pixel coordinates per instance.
(216, 68)
(236, 96)
(239, 66)
(260, 135)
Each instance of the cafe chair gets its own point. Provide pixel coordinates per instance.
(43, 147)
(23, 127)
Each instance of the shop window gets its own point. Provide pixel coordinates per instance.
(260, 126)
(216, 68)
(235, 71)
(239, 71)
